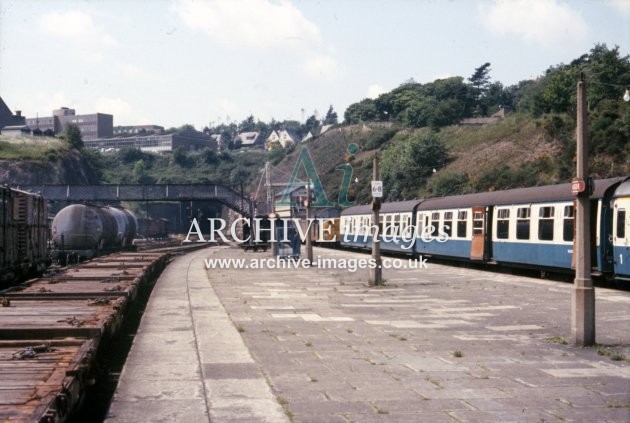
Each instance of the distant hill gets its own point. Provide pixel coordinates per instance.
(517, 151)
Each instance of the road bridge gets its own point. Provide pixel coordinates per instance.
(158, 192)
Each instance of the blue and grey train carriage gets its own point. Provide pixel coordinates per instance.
(396, 220)
(621, 231)
(530, 227)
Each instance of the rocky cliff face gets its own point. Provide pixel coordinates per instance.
(71, 168)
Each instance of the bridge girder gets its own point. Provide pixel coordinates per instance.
(158, 192)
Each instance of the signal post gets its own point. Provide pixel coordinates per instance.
(376, 274)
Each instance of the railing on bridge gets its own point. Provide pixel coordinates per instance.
(166, 192)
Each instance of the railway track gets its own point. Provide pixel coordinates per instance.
(54, 327)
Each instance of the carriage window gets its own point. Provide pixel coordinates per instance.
(405, 221)
(478, 223)
(363, 226)
(545, 224)
(435, 223)
(568, 223)
(503, 224)
(448, 223)
(395, 223)
(462, 223)
(621, 223)
(522, 223)
(386, 226)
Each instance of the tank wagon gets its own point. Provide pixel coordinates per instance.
(86, 231)
(23, 234)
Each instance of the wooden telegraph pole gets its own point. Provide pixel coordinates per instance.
(583, 295)
(376, 274)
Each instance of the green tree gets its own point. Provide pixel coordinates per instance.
(403, 96)
(185, 128)
(497, 97)
(311, 124)
(276, 155)
(480, 80)
(448, 183)
(140, 174)
(607, 74)
(419, 112)
(248, 124)
(558, 94)
(72, 136)
(209, 156)
(363, 111)
(239, 175)
(130, 154)
(331, 116)
(407, 164)
(180, 156)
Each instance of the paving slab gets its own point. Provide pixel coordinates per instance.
(188, 362)
(443, 344)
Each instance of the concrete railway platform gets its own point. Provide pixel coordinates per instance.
(443, 344)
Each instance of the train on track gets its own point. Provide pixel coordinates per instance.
(528, 227)
(86, 231)
(23, 234)
(152, 228)
(29, 241)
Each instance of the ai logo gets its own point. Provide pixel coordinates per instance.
(304, 159)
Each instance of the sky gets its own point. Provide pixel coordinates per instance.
(171, 62)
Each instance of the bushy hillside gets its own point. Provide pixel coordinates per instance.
(43, 161)
(518, 151)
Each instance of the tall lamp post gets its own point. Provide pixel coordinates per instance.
(583, 295)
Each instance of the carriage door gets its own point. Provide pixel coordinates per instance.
(479, 233)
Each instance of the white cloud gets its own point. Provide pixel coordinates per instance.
(262, 25)
(118, 107)
(621, 6)
(251, 23)
(93, 57)
(322, 67)
(548, 23)
(227, 106)
(374, 91)
(74, 25)
(43, 103)
(135, 72)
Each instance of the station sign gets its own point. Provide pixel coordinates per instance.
(577, 186)
(377, 189)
